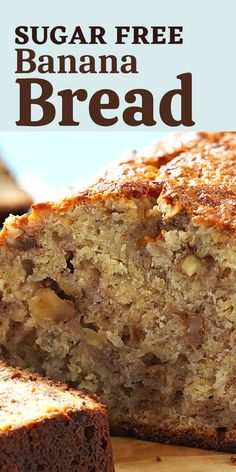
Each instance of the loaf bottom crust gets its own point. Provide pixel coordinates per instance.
(217, 439)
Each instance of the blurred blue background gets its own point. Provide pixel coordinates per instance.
(61, 159)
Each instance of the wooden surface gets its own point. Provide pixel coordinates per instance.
(131, 455)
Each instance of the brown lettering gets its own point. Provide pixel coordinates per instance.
(121, 32)
(146, 110)
(175, 35)
(96, 106)
(47, 65)
(67, 105)
(26, 102)
(185, 93)
(130, 65)
(97, 33)
(28, 60)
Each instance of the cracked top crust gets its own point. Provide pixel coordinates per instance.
(197, 171)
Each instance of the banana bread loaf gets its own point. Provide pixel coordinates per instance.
(13, 199)
(48, 427)
(127, 289)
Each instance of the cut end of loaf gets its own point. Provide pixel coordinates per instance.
(131, 295)
(47, 426)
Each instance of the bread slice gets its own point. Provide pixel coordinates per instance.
(13, 199)
(128, 290)
(48, 427)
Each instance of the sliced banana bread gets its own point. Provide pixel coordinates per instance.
(127, 289)
(45, 426)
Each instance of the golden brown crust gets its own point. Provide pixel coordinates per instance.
(195, 169)
(203, 180)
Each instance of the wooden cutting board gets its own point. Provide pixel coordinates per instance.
(131, 455)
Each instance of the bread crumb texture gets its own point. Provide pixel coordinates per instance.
(127, 290)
